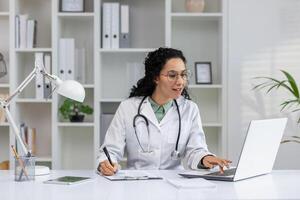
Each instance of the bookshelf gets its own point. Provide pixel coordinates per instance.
(108, 77)
(4, 82)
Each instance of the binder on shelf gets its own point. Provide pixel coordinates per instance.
(115, 25)
(106, 25)
(66, 58)
(23, 30)
(47, 83)
(17, 31)
(80, 65)
(2, 113)
(31, 33)
(124, 29)
(39, 79)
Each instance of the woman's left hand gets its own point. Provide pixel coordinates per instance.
(211, 161)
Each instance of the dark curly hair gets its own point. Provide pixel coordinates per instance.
(154, 63)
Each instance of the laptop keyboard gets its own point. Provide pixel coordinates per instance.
(227, 172)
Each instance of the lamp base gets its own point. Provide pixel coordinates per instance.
(41, 170)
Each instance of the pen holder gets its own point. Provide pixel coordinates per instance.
(24, 168)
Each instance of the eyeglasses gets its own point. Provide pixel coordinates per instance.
(174, 75)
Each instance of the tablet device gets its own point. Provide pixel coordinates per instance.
(68, 180)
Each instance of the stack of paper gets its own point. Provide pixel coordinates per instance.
(190, 183)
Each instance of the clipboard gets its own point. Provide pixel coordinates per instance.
(128, 175)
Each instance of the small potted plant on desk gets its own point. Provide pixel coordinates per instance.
(74, 111)
(293, 102)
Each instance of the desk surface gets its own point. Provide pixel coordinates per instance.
(277, 185)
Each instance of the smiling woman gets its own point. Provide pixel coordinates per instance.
(156, 118)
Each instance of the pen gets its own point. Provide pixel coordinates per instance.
(107, 155)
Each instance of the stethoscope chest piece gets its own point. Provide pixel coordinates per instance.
(175, 155)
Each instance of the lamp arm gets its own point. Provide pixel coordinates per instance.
(16, 131)
(51, 77)
(21, 87)
(5, 103)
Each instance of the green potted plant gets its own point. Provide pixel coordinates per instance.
(288, 84)
(74, 111)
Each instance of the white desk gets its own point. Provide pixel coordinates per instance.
(277, 185)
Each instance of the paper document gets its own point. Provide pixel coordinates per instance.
(190, 183)
(128, 175)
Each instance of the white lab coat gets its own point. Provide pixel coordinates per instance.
(121, 137)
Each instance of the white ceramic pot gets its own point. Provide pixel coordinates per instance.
(194, 5)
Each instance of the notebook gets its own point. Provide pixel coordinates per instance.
(68, 180)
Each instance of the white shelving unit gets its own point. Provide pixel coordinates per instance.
(201, 36)
(4, 82)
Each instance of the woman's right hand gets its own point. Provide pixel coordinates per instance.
(107, 169)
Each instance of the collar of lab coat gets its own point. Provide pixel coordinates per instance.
(147, 110)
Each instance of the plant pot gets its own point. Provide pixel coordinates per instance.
(77, 118)
(194, 5)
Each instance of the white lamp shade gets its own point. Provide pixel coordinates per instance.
(72, 90)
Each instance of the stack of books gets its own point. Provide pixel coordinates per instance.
(28, 135)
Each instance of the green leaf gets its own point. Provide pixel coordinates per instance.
(296, 110)
(286, 103)
(272, 88)
(71, 107)
(289, 84)
(292, 83)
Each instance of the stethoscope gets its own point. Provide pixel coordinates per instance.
(175, 154)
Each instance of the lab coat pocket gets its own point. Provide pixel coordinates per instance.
(173, 133)
(148, 159)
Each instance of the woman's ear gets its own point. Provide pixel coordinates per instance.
(156, 80)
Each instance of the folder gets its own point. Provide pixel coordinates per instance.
(2, 112)
(23, 30)
(17, 31)
(47, 83)
(31, 33)
(66, 58)
(39, 78)
(124, 29)
(70, 59)
(62, 59)
(106, 25)
(80, 65)
(115, 25)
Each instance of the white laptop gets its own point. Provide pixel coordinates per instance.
(258, 153)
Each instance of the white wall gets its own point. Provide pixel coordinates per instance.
(264, 37)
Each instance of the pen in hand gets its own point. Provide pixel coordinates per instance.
(107, 155)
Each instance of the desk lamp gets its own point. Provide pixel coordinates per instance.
(69, 88)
